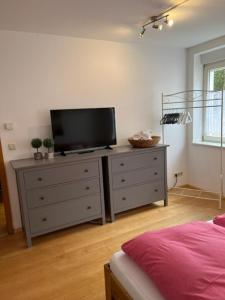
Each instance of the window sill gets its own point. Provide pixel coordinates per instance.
(208, 144)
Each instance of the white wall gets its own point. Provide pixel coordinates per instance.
(203, 161)
(42, 72)
(213, 56)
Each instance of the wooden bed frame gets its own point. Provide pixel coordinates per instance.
(113, 288)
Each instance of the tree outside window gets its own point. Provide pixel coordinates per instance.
(214, 81)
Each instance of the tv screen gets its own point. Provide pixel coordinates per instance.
(77, 129)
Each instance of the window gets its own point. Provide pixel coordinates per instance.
(214, 80)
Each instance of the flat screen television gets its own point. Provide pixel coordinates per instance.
(80, 129)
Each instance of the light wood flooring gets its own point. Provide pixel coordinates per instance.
(69, 264)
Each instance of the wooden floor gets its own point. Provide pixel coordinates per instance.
(3, 230)
(69, 264)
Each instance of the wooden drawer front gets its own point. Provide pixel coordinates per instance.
(133, 162)
(49, 195)
(137, 196)
(44, 177)
(137, 176)
(64, 213)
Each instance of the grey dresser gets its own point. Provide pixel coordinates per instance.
(65, 191)
(135, 177)
(59, 193)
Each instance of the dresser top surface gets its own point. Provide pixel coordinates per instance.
(76, 157)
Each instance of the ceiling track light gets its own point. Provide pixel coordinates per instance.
(157, 21)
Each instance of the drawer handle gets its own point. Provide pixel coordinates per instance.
(124, 198)
(86, 171)
(42, 198)
(155, 158)
(44, 219)
(88, 207)
(123, 180)
(39, 179)
(156, 190)
(122, 164)
(87, 188)
(156, 173)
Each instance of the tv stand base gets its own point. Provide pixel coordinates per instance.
(108, 148)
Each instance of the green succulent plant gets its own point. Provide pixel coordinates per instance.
(48, 143)
(36, 143)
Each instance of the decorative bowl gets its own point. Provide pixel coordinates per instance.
(145, 143)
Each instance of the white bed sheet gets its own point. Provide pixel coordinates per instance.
(134, 280)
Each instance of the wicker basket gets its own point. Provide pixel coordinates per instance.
(145, 143)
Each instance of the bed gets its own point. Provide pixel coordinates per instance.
(124, 275)
(125, 280)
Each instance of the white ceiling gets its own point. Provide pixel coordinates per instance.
(115, 20)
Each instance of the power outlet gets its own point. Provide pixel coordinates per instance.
(12, 147)
(178, 174)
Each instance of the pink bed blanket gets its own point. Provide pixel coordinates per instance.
(186, 262)
(219, 220)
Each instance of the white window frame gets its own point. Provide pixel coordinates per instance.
(206, 72)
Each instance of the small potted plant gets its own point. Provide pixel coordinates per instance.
(48, 143)
(36, 144)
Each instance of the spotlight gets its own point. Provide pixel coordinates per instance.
(142, 32)
(160, 27)
(157, 26)
(169, 22)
